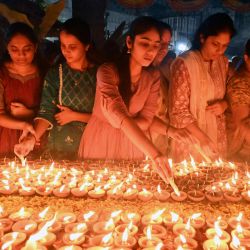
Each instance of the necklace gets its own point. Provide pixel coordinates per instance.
(75, 75)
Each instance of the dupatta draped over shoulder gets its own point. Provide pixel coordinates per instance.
(195, 84)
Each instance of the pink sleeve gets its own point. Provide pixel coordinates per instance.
(114, 108)
(179, 108)
(150, 107)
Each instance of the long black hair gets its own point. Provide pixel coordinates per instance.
(139, 26)
(212, 26)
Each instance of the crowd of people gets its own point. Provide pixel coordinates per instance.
(141, 103)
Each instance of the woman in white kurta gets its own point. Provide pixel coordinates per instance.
(197, 90)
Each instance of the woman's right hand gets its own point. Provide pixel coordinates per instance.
(27, 129)
(162, 167)
(25, 146)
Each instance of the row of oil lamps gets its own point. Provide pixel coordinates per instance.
(101, 183)
(120, 230)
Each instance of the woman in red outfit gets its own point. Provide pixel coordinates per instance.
(20, 86)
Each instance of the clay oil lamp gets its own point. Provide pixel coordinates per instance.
(22, 214)
(5, 224)
(197, 221)
(61, 192)
(157, 231)
(233, 196)
(171, 218)
(24, 190)
(185, 243)
(115, 216)
(102, 240)
(104, 227)
(145, 195)
(149, 240)
(130, 194)
(221, 223)
(242, 234)
(196, 195)
(80, 191)
(132, 229)
(236, 244)
(8, 189)
(155, 218)
(43, 215)
(73, 238)
(25, 226)
(215, 243)
(97, 193)
(89, 218)
(125, 240)
(44, 190)
(179, 196)
(13, 239)
(217, 231)
(76, 228)
(161, 195)
(127, 217)
(234, 221)
(214, 194)
(115, 193)
(66, 218)
(185, 229)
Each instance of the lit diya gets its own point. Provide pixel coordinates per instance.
(76, 228)
(106, 240)
(25, 226)
(73, 238)
(155, 218)
(185, 229)
(196, 195)
(161, 195)
(22, 214)
(171, 218)
(185, 243)
(125, 240)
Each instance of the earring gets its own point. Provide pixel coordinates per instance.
(128, 51)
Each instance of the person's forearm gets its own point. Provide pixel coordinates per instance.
(138, 138)
(7, 121)
(81, 117)
(196, 131)
(142, 123)
(41, 126)
(159, 126)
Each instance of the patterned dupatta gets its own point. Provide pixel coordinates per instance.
(206, 88)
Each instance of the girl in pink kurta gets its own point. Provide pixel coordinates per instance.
(126, 102)
(103, 138)
(197, 90)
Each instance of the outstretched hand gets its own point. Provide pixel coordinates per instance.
(162, 167)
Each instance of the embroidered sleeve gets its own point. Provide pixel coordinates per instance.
(179, 110)
(238, 91)
(49, 98)
(112, 104)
